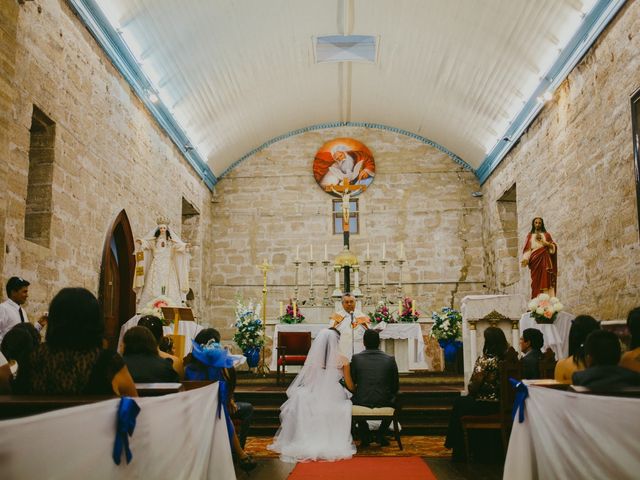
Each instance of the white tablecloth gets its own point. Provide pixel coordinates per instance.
(556, 335)
(407, 343)
(576, 436)
(177, 436)
(188, 329)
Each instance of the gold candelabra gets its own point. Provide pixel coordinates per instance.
(263, 368)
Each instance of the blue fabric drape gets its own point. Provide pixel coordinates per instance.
(126, 423)
(522, 392)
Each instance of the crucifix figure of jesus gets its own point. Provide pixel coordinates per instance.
(344, 190)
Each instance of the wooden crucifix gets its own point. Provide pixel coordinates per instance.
(344, 190)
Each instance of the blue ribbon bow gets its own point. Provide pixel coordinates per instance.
(127, 412)
(522, 392)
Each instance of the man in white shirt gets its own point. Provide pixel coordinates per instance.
(11, 311)
(351, 323)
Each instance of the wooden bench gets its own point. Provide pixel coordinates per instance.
(16, 406)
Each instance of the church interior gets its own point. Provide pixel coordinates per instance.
(252, 167)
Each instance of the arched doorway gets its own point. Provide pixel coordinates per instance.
(116, 296)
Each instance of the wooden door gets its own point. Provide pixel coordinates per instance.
(116, 278)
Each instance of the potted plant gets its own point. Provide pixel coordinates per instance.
(408, 312)
(249, 335)
(291, 315)
(381, 314)
(544, 308)
(447, 329)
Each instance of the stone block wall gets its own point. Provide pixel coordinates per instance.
(574, 167)
(109, 154)
(270, 204)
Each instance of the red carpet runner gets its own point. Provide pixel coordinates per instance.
(364, 468)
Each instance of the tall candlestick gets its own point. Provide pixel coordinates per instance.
(281, 308)
(326, 255)
(368, 254)
(401, 250)
(384, 251)
(310, 253)
(297, 252)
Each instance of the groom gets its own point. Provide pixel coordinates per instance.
(375, 376)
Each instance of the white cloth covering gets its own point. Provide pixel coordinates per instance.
(576, 436)
(315, 421)
(177, 436)
(556, 334)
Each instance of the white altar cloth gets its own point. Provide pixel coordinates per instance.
(408, 344)
(189, 329)
(556, 334)
(177, 436)
(576, 436)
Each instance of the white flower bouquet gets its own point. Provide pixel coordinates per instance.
(248, 326)
(544, 308)
(154, 307)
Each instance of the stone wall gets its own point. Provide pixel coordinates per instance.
(271, 203)
(574, 167)
(109, 154)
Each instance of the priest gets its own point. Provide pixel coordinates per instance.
(351, 323)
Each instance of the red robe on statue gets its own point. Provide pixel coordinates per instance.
(543, 266)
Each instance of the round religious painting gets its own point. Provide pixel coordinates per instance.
(343, 161)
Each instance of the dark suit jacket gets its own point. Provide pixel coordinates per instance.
(531, 364)
(376, 377)
(606, 377)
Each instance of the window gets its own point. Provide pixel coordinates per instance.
(354, 220)
(37, 220)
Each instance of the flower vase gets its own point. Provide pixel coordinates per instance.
(253, 356)
(451, 349)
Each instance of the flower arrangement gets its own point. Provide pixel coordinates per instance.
(408, 313)
(154, 307)
(544, 308)
(447, 324)
(381, 314)
(289, 316)
(249, 332)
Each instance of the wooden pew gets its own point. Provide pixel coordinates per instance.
(16, 406)
(157, 389)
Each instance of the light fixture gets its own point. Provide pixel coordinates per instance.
(153, 97)
(188, 147)
(547, 96)
(476, 194)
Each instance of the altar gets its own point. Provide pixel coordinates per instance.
(403, 340)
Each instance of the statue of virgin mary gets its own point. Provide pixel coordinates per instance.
(162, 266)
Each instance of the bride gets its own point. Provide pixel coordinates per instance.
(315, 422)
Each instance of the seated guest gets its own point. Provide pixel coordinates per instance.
(531, 344)
(484, 390)
(210, 361)
(631, 359)
(155, 325)
(18, 343)
(72, 361)
(375, 381)
(603, 372)
(581, 327)
(142, 359)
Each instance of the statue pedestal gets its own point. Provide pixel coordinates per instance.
(482, 311)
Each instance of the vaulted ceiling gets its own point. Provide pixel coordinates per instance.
(465, 74)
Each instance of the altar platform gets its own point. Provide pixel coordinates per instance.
(426, 398)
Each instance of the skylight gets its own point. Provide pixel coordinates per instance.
(346, 48)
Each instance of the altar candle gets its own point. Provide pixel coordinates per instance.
(295, 309)
(326, 255)
(368, 254)
(281, 308)
(311, 253)
(413, 308)
(297, 252)
(399, 308)
(384, 251)
(401, 250)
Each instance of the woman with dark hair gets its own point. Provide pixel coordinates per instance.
(142, 359)
(17, 345)
(73, 361)
(484, 389)
(154, 324)
(581, 327)
(210, 361)
(631, 359)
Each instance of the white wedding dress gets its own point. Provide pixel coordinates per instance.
(315, 421)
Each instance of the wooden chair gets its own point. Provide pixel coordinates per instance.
(510, 367)
(293, 348)
(547, 364)
(358, 412)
